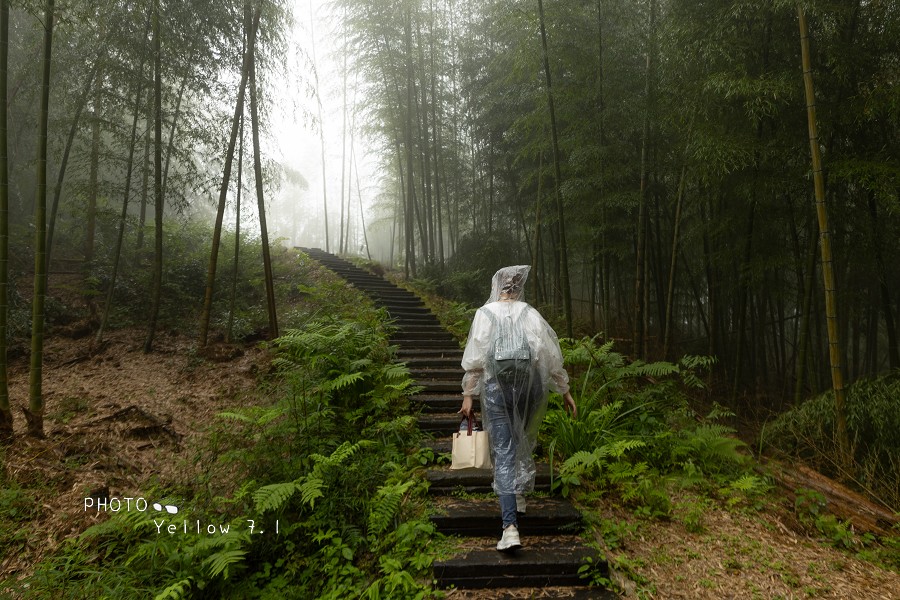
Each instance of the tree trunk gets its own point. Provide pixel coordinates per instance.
(342, 249)
(124, 216)
(670, 294)
(257, 170)
(804, 335)
(410, 184)
(557, 172)
(436, 145)
(171, 143)
(845, 504)
(6, 418)
(312, 37)
(362, 217)
(237, 234)
(93, 179)
(79, 109)
(834, 348)
(743, 300)
(142, 215)
(893, 352)
(640, 275)
(712, 287)
(35, 413)
(540, 295)
(226, 179)
(158, 197)
(601, 266)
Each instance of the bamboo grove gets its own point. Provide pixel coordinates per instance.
(651, 160)
(115, 119)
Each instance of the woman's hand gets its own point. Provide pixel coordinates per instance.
(569, 404)
(466, 409)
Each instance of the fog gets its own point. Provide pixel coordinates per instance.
(296, 208)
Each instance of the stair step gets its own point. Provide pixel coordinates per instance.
(444, 405)
(433, 362)
(444, 373)
(441, 423)
(481, 517)
(417, 357)
(371, 285)
(433, 329)
(441, 445)
(450, 400)
(433, 386)
(409, 310)
(403, 321)
(416, 319)
(476, 481)
(394, 296)
(392, 304)
(427, 344)
(426, 336)
(539, 563)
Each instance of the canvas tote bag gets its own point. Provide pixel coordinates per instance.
(471, 449)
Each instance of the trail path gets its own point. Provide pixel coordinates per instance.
(547, 566)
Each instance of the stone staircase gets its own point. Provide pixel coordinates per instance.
(547, 565)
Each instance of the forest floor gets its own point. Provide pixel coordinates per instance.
(120, 422)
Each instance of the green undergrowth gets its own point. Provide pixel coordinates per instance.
(186, 262)
(642, 443)
(638, 443)
(637, 435)
(318, 494)
(806, 432)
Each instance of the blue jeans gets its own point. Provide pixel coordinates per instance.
(507, 410)
(508, 510)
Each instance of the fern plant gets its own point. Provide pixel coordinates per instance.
(635, 430)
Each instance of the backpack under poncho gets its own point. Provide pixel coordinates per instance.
(510, 352)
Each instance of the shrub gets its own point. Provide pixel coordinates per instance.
(873, 423)
(636, 432)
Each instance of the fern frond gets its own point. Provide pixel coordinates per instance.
(581, 462)
(719, 412)
(311, 489)
(340, 454)
(395, 372)
(655, 369)
(234, 416)
(176, 591)
(387, 503)
(709, 431)
(619, 448)
(218, 563)
(748, 483)
(360, 364)
(274, 496)
(343, 381)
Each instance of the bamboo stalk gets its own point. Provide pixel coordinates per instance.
(834, 350)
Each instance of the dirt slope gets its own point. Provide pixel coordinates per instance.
(116, 420)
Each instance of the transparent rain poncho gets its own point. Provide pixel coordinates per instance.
(512, 358)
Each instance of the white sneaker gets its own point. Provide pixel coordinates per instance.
(510, 540)
(520, 504)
